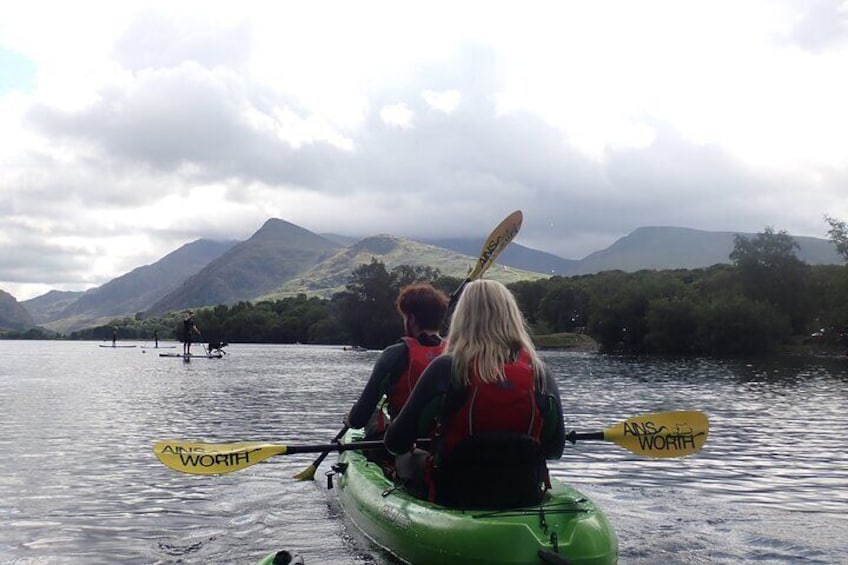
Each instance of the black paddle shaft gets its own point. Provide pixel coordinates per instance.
(353, 446)
(574, 437)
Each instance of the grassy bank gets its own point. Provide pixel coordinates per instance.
(565, 341)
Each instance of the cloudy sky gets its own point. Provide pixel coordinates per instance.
(130, 128)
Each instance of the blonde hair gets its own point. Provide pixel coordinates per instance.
(486, 331)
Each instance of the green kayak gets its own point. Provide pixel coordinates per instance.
(566, 527)
(282, 558)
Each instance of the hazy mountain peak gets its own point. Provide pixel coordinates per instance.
(282, 232)
(380, 244)
(276, 253)
(13, 316)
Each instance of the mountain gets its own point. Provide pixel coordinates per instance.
(684, 248)
(282, 259)
(332, 274)
(48, 307)
(13, 316)
(515, 255)
(127, 294)
(276, 253)
(343, 240)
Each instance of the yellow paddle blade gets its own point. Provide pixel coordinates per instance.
(213, 458)
(307, 474)
(663, 434)
(500, 237)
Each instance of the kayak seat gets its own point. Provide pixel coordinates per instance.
(491, 472)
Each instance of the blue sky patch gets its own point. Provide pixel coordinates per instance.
(16, 72)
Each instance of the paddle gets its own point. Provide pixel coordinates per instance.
(309, 473)
(219, 458)
(664, 434)
(500, 237)
(497, 241)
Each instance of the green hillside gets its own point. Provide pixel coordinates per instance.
(332, 275)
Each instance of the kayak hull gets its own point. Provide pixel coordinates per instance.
(281, 558)
(567, 525)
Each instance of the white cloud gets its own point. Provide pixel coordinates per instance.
(151, 124)
(397, 115)
(446, 101)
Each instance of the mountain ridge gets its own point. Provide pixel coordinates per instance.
(13, 315)
(276, 252)
(127, 294)
(671, 247)
(281, 259)
(332, 274)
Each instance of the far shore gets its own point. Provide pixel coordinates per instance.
(799, 346)
(572, 341)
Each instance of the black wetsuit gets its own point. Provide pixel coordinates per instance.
(188, 326)
(390, 365)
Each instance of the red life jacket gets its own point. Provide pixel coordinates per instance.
(507, 406)
(419, 357)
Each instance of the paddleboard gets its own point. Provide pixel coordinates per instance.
(193, 355)
(117, 346)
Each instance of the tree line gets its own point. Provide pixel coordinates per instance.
(764, 299)
(363, 314)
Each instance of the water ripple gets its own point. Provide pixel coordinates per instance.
(80, 483)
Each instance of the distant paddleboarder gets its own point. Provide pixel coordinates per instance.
(189, 327)
(156, 339)
(114, 337)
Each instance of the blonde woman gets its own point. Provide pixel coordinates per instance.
(489, 383)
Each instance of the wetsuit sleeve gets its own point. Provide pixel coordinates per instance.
(433, 383)
(553, 442)
(391, 362)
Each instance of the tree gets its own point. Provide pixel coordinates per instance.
(770, 270)
(739, 326)
(409, 274)
(618, 321)
(447, 284)
(529, 295)
(767, 250)
(367, 306)
(838, 233)
(672, 326)
(564, 307)
(827, 288)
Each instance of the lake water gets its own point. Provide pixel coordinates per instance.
(80, 484)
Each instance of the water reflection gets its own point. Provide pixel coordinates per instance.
(774, 426)
(81, 485)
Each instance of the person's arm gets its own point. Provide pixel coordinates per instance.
(403, 430)
(553, 443)
(388, 363)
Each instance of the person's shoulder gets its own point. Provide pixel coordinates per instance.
(443, 359)
(441, 365)
(437, 376)
(393, 352)
(395, 348)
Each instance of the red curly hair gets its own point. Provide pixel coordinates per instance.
(427, 303)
